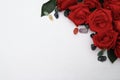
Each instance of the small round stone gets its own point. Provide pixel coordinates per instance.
(75, 31)
(83, 30)
(102, 58)
(50, 17)
(93, 47)
(66, 13)
(56, 15)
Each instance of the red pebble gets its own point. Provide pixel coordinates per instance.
(75, 31)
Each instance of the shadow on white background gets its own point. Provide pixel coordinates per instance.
(34, 48)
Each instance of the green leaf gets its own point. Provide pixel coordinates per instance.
(100, 53)
(48, 7)
(111, 55)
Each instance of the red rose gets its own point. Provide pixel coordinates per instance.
(79, 15)
(115, 9)
(100, 20)
(92, 3)
(117, 48)
(105, 40)
(64, 4)
(79, 5)
(109, 2)
(117, 26)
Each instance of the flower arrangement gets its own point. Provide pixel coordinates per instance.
(100, 16)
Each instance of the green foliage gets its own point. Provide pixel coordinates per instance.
(48, 7)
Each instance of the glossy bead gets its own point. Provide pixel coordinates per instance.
(50, 17)
(75, 31)
(102, 58)
(56, 15)
(66, 13)
(83, 30)
(93, 47)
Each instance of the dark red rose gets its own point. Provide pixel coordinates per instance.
(64, 4)
(92, 3)
(115, 9)
(105, 40)
(79, 15)
(117, 48)
(99, 20)
(117, 26)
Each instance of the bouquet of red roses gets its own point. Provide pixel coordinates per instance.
(100, 16)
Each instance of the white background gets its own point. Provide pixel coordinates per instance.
(35, 48)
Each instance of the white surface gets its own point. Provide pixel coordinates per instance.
(34, 48)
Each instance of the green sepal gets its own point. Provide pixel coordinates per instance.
(111, 55)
